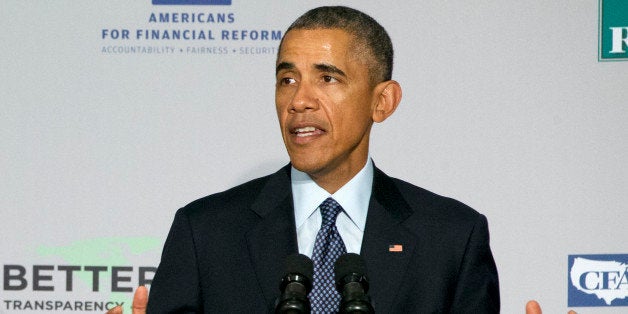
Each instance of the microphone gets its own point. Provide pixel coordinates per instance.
(295, 285)
(351, 282)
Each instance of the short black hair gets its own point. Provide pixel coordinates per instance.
(369, 35)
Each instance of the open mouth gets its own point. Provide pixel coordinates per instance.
(306, 131)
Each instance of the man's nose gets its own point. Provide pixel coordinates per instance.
(304, 98)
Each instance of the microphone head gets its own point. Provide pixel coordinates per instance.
(351, 282)
(295, 285)
(298, 268)
(348, 268)
(349, 263)
(299, 263)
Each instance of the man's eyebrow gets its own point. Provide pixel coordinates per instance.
(284, 66)
(323, 67)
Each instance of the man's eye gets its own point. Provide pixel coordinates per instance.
(287, 81)
(329, 79)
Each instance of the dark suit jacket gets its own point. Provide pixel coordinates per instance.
(225, 252)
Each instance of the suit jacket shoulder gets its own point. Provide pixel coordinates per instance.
(434, 207)
(235, 198)
(227, 245)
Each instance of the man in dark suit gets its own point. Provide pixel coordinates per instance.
(424, 253)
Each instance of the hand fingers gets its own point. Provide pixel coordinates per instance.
(533, 307)
(140, 300)
(115, 310)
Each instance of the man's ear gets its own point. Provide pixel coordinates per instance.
(388, 95)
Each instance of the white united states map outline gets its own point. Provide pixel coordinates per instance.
(582, 265)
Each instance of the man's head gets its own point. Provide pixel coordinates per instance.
(326, 96)
(371, 40)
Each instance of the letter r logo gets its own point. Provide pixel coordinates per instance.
(613, 30)
(620, 39)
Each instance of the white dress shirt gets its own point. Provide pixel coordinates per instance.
(354, 198)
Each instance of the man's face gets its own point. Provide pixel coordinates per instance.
(324, 103)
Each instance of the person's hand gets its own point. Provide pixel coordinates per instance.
(533, 307)
(140, 299)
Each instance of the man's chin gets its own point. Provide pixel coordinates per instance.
(311, 167)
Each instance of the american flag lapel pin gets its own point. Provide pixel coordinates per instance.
(395, 248)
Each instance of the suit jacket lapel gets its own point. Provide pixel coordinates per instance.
(384, 227)
(274, 237)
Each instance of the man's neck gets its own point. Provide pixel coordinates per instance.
(333, 181)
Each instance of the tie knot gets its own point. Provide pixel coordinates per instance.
(329, 210)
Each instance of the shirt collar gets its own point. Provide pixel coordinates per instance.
(354, 196)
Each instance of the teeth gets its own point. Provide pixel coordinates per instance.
(305, 129)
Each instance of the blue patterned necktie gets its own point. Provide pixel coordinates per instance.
(327, 248)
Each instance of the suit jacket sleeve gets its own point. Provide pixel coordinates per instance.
(175, 287)
(477, 290)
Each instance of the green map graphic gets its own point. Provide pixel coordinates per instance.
(109, 251)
